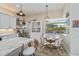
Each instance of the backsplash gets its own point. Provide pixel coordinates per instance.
(7, 31)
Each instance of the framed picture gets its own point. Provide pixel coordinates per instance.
(75, 23)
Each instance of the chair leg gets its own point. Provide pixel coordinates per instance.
(20, 54)
(58, 50)
(33, 54)
(61, 50)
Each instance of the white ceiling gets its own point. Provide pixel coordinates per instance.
(36, 8)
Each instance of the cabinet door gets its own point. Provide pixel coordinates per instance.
(0, 20)
(12, 22)
(4, 21)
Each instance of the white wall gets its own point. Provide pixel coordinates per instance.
(66, 9)
(74, 32)
(67, 38)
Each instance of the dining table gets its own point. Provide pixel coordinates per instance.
(50, 41)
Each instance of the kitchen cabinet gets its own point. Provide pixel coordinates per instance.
(7, 21)
(12, 22)
(36, 26)
(4, 21)
(36, 29)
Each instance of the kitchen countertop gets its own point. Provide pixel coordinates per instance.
(8, 45)
(2, 35)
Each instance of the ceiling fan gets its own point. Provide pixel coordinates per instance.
(20, 13)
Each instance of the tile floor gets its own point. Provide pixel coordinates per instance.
(44, 51)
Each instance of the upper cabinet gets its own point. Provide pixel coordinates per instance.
(4, 21)
(12, 22)
(7, 21)
(36, 26)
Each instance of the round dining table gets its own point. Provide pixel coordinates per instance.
(50, 40)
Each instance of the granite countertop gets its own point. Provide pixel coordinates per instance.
(7, 46)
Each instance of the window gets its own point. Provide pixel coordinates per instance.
(56, 25)
(35, 26)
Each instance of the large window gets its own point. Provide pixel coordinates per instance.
(56, 25)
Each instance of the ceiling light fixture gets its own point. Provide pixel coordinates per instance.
(21, 13)
(46, 17)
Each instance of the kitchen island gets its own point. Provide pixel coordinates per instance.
(12, 46)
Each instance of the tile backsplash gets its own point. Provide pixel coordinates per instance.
(7, 32)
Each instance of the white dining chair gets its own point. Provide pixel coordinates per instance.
(29, 51)
(43, 42)
(22, 49)
(57, 45)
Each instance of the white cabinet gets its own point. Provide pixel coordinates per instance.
(7, 21)
(0, 20)
(36, 26)
(12, 22)
(4, 21)
(36, 29)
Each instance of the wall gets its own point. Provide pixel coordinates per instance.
(72, 40)
(74, 32)
(66, 9)
(67, 37)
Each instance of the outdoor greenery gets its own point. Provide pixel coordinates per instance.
(55, 29)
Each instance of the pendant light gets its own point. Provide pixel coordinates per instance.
(20, 13)
(46, 17)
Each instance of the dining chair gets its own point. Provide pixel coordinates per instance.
(44, 43)
(22, 49)
(57, 45)
(29, 51)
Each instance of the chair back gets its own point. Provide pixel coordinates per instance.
(22, 49)
(41, 40)
(36, 43)
(58, 42)
(29, 44)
